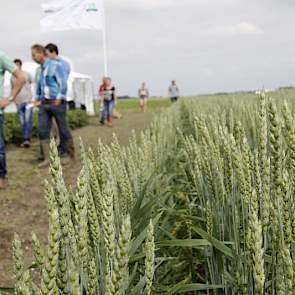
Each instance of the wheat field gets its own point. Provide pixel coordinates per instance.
(200, 203)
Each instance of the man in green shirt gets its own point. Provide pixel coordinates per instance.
(8, 65)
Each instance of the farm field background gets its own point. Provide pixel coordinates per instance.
(200, 203)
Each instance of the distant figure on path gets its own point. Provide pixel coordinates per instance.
(24, 105)
(109, 97)
(7, 65)
(143, 94)
(101, 104)
(173, 91)
(51, 93)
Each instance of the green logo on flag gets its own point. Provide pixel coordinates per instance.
(91, 6)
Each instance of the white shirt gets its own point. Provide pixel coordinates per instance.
(173, 91)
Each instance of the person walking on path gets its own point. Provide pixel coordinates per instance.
(24, 105)
(6, 64)
(101, 104)
(109, 98)
(51, 93)
(173, 91)
(143, 94)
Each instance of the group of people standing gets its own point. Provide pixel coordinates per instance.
(108, 98)
(50, 95)
(50, 98)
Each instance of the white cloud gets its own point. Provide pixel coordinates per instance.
(156, 40)
(143, 4)
(165, 42)
(243, 28)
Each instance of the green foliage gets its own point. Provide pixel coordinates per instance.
(12, 131)
(154, 104)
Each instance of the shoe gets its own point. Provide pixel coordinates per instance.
(27, 144)
(65, 161)
(41, 158)
(3, 184)
(44, 164)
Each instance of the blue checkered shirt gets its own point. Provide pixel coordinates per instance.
(52, 81)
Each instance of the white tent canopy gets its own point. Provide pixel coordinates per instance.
(80, 86)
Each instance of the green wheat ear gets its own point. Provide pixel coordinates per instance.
(18, 259)
(38, 250)
(49, 273)
(120, 271)
(150, 258)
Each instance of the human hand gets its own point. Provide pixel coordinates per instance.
(36, 103)
(4, 103)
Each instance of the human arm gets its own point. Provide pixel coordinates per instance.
(62, 81)
(19, 81)
(100, 91)
(38, 94)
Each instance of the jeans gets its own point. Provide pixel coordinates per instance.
(108, 107)
(46, 113)
(25, 114)
(3, 170)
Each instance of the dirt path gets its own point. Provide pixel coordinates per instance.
(22, 205)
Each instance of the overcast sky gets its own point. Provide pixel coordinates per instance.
(206, 45)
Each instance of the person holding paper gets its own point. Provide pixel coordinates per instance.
(24, 105)
(6, 64)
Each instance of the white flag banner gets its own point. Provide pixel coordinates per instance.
(63, 15)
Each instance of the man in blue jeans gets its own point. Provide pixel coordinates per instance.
(52, 52)
(24, 105)
(6, 64)
(51, 92)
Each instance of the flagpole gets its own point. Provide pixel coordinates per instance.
(104, 37)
